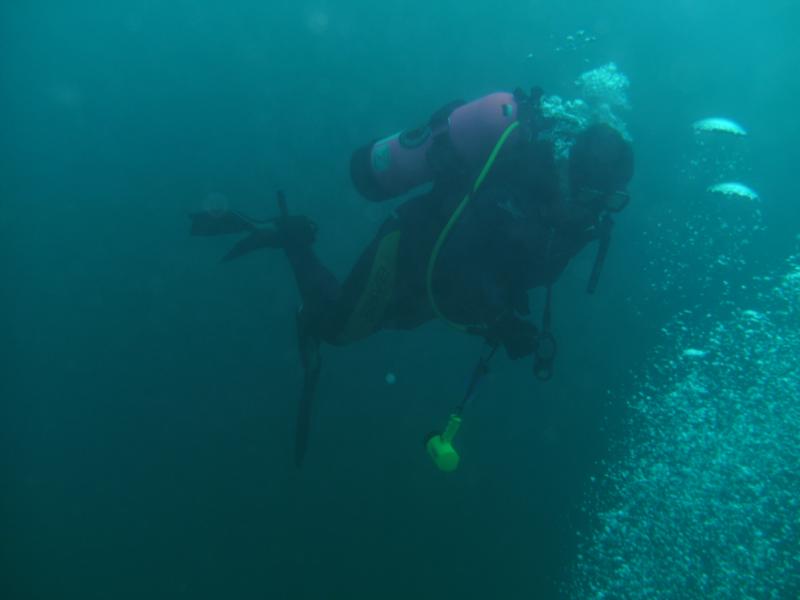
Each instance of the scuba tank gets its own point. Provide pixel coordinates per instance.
(460, 132)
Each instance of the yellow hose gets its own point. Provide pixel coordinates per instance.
(451, 223)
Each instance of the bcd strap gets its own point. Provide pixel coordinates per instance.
(604, 241)
(546, 348)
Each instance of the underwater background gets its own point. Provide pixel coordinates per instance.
(147, 393)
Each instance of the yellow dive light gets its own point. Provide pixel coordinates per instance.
(440, 446)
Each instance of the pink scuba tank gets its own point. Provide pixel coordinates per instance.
(400, 162)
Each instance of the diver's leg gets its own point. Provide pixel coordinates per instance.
(319, 291)
(367, 296)
(318, 287)
(337, 314)
(340, 314)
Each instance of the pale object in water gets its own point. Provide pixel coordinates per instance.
(733, 188)
(720, 125)
(605, 85)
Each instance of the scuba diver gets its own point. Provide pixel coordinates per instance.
(504, 215)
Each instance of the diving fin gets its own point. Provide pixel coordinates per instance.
(220, 222)
(259, 238)
(308, 346)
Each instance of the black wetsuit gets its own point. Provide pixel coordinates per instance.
(516, 234)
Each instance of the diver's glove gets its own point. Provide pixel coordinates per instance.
(517, 335)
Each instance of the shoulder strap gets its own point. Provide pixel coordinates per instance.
(604, 241)
(546, 348)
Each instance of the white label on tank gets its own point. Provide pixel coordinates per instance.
(381, 156)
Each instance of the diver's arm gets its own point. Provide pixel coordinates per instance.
(504, 309)
(517, 335)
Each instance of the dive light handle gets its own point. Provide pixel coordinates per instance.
(453, 425)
